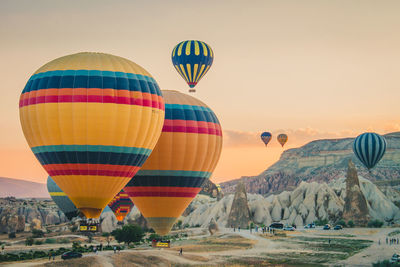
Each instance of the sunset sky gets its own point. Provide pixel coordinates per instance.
(311, 69)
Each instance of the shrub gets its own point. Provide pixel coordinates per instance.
(12, 235)
(50, 241)
(74, 228)
(350, 224)
(321, 222)
(37, 233)
(341, 222)
(38, 242)
(375, 223)
(29, 241)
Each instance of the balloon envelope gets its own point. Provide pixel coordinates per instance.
(61, 199)
(266, 137)
(121, 205)
(184, 157)
(369, 148)
(91, 119)
(282, 139)
(192, 59)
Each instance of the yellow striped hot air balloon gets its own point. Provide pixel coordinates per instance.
(91, 119)
(184, 157)
(192, 59)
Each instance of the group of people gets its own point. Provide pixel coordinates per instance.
(265, 229)
(392, 241)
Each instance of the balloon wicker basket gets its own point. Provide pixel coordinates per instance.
(89, 226)
(160, 243)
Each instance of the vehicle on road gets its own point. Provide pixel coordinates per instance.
(288, 228)
(326, 227)
(338, 227)
(395, 258)
(309, 226)
(276, 226)
(71, 255)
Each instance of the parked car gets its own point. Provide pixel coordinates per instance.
(338, 227)
(326, 227)
(276, 226)
(395, 258)
(309, 226)
(288, 228)
(71, 255)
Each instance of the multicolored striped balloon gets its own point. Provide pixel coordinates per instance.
(369, 148)
(121, 205)
(61, 199)
(91, 119)
(192, 59)
(184, 157)
(282, 139)
(266, 137)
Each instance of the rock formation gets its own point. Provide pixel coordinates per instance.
(355, 207)
(213, 227)
(307, 203)
(239, 215)
(319, 161)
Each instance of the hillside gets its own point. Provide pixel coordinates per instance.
(319, 161)
(22, 189)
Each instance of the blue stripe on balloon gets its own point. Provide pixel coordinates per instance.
(173, 173)
(91, 148)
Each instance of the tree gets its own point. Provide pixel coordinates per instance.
(350, 224)
(375, 223)
(29, 241)
(108, 237)
(128, 234)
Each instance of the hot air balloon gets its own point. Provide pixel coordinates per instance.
(121, 205)
(91, 119)
(369, 148)
(61, 199)
(192, 59)
(266, 137)
(184, 157)
(282, 139)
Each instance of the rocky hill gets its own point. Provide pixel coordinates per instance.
(319, 161)
(22, 189)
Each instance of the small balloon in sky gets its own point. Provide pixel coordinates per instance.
(266, 137)
(282, 139)
(369, 148)
(192, 59)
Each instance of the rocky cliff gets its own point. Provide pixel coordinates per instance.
(319, 161)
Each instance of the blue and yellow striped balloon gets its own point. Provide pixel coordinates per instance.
(192, 59)
(369, 148)
(61, 199)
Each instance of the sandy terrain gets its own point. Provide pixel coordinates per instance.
(299, 248)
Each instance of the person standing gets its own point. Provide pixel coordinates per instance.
(180, 252)
(50, 255)
(115, 249)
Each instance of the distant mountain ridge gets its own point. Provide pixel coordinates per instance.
(319, 161)
(10, 187)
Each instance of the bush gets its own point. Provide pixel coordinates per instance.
(350, 224)
(385, 263)
(11, 235)
(50, 241)
(321, 222)
(37, 233)
(341, 222)
(29, 241)
(74, 228)
(375, 223)
(38, 242)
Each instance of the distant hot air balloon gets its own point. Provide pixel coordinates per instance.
(184, 157)
(91, 119)
(61, 199)
(121, 205)
(266, 137)
(192, 59)
(282, 139)
(369, 148)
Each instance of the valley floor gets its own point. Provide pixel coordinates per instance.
(316, 247)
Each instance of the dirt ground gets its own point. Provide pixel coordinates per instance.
(316, 247)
